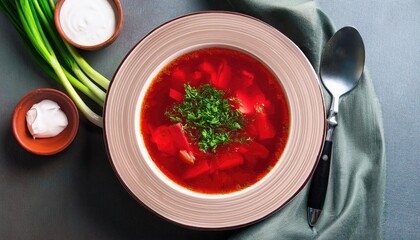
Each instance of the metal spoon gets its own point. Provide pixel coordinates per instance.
(342, 65)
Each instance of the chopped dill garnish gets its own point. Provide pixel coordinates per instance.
(208, 117)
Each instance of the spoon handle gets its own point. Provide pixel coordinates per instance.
(319, 185)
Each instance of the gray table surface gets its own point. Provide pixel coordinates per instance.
(75, 194)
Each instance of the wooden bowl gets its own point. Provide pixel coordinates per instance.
(45, 146)
(58, 24)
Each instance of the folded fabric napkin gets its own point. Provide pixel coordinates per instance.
(354, 204)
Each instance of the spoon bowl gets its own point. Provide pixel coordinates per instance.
(343, 61)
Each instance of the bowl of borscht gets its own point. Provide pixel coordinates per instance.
(214, 120)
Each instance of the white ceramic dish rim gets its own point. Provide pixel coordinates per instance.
(171, 192)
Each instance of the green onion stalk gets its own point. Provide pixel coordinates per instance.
(34, 22)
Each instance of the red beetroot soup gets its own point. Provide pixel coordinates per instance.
(215, 120)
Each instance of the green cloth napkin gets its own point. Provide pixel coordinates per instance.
(354, 203)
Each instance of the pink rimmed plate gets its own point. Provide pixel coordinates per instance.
(152, 188)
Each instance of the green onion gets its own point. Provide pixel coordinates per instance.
(34, 22)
